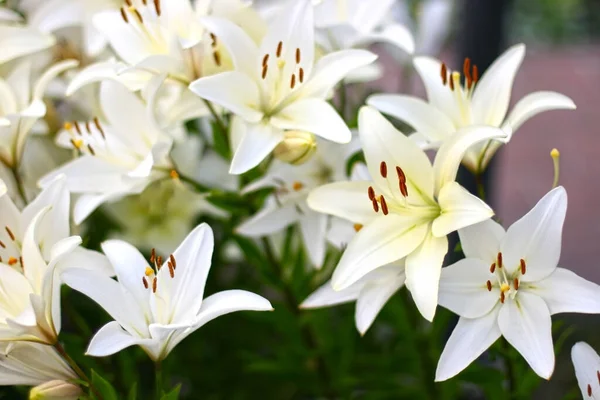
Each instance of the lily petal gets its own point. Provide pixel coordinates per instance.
(257, 143)
(482, 240)
(346, 200)
(313, 227)
(587, 364)
(536, 237)
(564, 291)
(325, 296)
(439, 95)
(469, 339)
(459, 209)
(111, 339)
(525, 323)
(373, 297)
(270, 219)
(423, 270)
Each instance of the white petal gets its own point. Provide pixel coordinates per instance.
(393, 33)
(525, 323)
(133, 80)
(229, 301)
(439, 95)
(232, 90)
(423, 117)
(325, 296)
(533, 104)
(587, 364)
(313, 227)
(32, 256)
(348, 200)
(44, 80)
(111, 339)
(331, 69)
(459, 209)
(17, 41)
(482, 240)
(469, 339)
(373, 297)
(492, 92)
(423, 270)
(258, 142)
(86, 259)
(564, 291)
(536, 237)
(452, 151)
(463, 288)
(270, 219)
(386, 239)
(315, 116)
(382, 142)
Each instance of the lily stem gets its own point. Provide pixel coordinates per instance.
(19, 183)
(216, 116)
(61, 350)
(158, 379)
(480, 186)
(510, 370)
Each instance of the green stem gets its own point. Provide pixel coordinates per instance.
(158, 379)
(19, 183)
(510, 370)
(480, 186)
(216, 116)
(61, 350)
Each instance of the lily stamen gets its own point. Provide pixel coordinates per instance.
(2, 244)
(99, 127)
(91, 149)
(144, 282)
(523, 267)
(384, 207)
(293, 81)
(265, 60)
(371, 193)
(172, 259)
(157, 7)
(77, 128)
(444, 74)
(301, 75)
(375, 205)
(10, 233)
(493, 268)
(124, 15)
(489, 285)
(383, 169)
(217, 58)
(499, 260)
(297, 55)
(516, 283)
(279, 48)
(357, 227)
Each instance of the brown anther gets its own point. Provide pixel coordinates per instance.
(403, 189)
(10, 233)
(171, 270)
(499, 260)
(375, 205)
(145, 282)
(159, 262)
(157, 7)
(293, 81)
(383, 169)
(475, 74)
(589, 390)
(2, 244)
(401, 176)
(152, 255)
(76, 143)
(174, 174)
(467, 71)
(265, 59)
(489, 286)
(99, 127)
(124, 15)
(523, 267)
(502, 297)
(172, 259)
(493, 268)
(0, 259)
(21, 262)
(138, 15)
(128, 2)
(357, 227)
(371, 193)
(12, 261)
(301, 75)
(145, 2)
(297, 55)
(279, 48)
(444, 73)
(264, 71)
(451, 83)
(297, 186)
(213, 40)
(384, 207)
(91, 149)
(598, 376)
(516, 283)
(77, 128)
(87, 127)
(154, 285)
(217, 58)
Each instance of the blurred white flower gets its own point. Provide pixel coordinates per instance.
(454, 104)
(21, 106)
(509, 285)
(157, 307)
(587, 369)
(287, 205)
(17, 39)
(419, 203)
(118, 157)
(275, 87)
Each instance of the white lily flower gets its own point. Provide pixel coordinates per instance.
(371, 292)
(21, 106)
(276, 87)
(120, 156)
(32, 364)
(454, 104)
(509, 285)
(408, 208)
(156, 308)
(287, 205)
(587, 369)
(18, 39)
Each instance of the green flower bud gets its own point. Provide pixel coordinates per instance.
(296, 148)
(55, 390)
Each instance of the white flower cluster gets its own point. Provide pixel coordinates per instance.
(141, 92)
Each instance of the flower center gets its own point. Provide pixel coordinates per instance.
(83, 144)
(283, 73)
(150, 278)
(462, 92)
(379, 201)
(507, 283)
(14, 260)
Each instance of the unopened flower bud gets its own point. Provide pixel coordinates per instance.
(296, 148)
(55, 390)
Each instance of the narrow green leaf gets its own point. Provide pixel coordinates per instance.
(173, 394)
(104, 388)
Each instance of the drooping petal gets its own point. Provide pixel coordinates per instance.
(111, 339)
(86, 259)
(564, 291)
(492, 93)
(315, 116)
(464, 291)
(348, 200)
(423, 117)
(395, 34)
(536, 237)
(258, 142)
(325, 296)
(533, 104)
(383, 143)
(423, 270)
(270, 219)
(587, 364)
(386, 239)
(452, 151)
(233, 90)
(313, 227)
(373, 297)
(18, 41)
(469, 339)
(482, 240)
(459, 209)
(525, 323)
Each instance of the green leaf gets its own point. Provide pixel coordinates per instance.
(104, 388)
(173, 394)
(132, 392)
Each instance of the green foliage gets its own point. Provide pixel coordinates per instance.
(104, 388)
